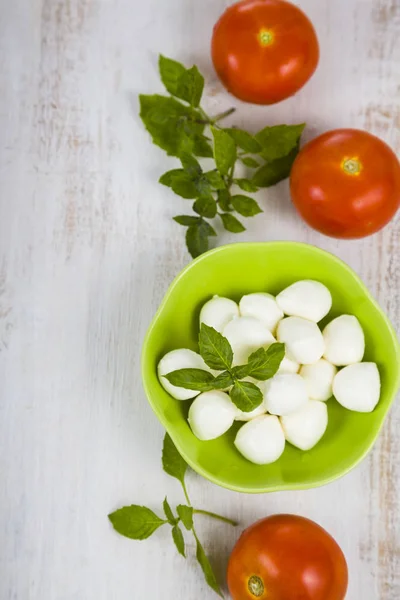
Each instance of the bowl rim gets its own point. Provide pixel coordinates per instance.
(273, 488)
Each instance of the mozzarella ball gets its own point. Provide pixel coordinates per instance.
(344, 341)
(262, 307)
(288, 366)
(319, 378)
(303, 339)
(261, 440)
(246, 335)
(248, 416)
(307, 299)
(259, 410)
(305, 427)
(211, 415)
(218, 311)
(175, 360)
(358, 387)
(285, 393)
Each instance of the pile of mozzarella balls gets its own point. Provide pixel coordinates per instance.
(294, 405)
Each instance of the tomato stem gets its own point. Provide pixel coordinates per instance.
(215, 516)
(256, 586)
(266, 37)
(351, 166)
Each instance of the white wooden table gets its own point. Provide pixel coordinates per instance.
(87, 250)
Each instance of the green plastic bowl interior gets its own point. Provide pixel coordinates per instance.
(239, 269)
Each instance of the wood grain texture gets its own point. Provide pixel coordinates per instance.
(87, 250)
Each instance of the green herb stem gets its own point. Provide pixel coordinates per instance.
(230, 176)
(207, 120)
(186, 493)
(206, 566)
(223, 115)
(215, 516)
(180, 126)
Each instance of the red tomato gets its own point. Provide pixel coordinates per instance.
(264, 50)
(346, 183)
(286, 557)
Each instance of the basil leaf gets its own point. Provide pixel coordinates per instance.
(191, 165)
(273, 172)
(201, 146)
(166, 178)
(177, 536)
(278, 141)
(210, 231)
(255, 359)
(248, 161)
(241, 371)
(264, 364)
(170, 73)
(215, 180)
(206, 568)
(231, 223)
(185, 140)
(166, 120)
(246, 396)
(181, 182)
(172, 461)
(205, 206)
(192, 379)
(186, 220)
(224, 151)
(197, 239)
(168, 512)
(135, 522)
(223, 380)
(245, 206)
(244, 139)
(185, 514)
(183, 186)
(215, 350)
(186, 84)
(190, 86)
(194, 131)
(246, 185)
(224, 200)
(203, 186)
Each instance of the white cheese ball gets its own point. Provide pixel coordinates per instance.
(262, 307)
(288, 366)
(307, 299)
(259, 410)
(358, 387)
(217, 312)
(303, 339)
(319, 378)
(344, 341)
(246, 335)
(211, 415)
(248, 416)
(175, 360)
(285, 393)
(261, 440)
(305, 427)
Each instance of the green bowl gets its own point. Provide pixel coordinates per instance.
(239, 269)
